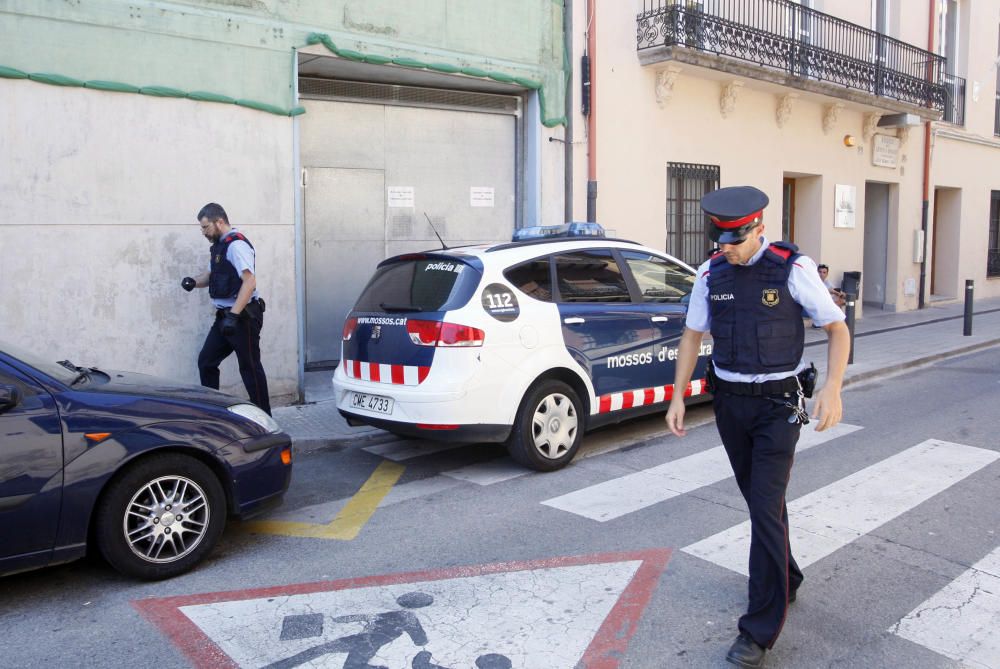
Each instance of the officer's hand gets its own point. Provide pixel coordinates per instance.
(229, 322)
(827, 409)
(188, 284)
(675, 417)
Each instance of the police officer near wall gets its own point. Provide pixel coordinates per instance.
(752, 296)
(239, 310)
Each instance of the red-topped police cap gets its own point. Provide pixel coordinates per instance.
(733, 212)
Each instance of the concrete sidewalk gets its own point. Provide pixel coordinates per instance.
(885, 343)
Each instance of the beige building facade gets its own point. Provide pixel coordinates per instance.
(825, 106)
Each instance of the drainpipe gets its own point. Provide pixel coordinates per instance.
(591, 93)
(927, 167)
(568, 144)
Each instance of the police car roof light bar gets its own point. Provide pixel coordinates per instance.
(565, 230)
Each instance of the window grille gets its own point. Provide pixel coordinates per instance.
(687, 232)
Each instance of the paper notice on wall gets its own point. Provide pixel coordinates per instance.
(400, 196)
(481, 196)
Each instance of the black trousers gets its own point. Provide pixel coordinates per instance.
(760, 443)
(246, 343)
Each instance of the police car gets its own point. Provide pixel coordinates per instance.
(531, 342)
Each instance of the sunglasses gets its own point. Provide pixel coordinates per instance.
(736, 243)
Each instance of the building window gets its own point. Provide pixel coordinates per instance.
(993, 249)
(996, 94)
(687, 232)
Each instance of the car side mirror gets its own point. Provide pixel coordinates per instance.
(10, 397)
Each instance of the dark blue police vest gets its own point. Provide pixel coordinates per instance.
(756, 325)
(224, 281)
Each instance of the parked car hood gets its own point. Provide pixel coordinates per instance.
(133, 383)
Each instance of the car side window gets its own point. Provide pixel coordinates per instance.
(532, 278)
(590, 276)
(659, 279)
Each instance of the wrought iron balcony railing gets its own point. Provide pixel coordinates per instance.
(954, 100)
(784, 35)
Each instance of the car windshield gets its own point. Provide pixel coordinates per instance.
(50, 368)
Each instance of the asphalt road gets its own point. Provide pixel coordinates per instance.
(630, 557)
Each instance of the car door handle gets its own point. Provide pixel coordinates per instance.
(573, 320)
(660, 319)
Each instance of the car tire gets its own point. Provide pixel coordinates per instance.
(548, 427)
(160, 517)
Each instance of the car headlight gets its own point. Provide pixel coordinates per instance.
(257, 415)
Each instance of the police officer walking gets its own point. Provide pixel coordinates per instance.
(752, 296)
(239, 311)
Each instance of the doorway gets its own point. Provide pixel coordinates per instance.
(945, 235)
(873, 285)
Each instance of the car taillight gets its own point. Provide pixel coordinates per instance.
(350, 325)
(453, 334)
(436, 333)
(423, 333)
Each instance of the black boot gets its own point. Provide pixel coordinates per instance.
(745, 652)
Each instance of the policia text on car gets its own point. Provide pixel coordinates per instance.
(753, 295)
(239, 310)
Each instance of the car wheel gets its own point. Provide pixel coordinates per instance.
(548, 427)
(161, 516)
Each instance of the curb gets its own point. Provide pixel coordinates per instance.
(916, 362)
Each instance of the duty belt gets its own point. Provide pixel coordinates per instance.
(777, 387)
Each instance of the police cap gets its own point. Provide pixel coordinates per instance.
(733, 212)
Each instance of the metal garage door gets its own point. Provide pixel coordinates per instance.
(374, 173)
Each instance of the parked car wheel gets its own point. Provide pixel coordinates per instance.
(548, 427)
(161, 516)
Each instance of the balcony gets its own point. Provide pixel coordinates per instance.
(954, 99)
(795, 46)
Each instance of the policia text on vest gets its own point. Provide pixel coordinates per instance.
(239, 310)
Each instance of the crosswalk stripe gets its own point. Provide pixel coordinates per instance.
(398, 451)
(488, 473)
(632, 492)
(961, 620)
(833, 516)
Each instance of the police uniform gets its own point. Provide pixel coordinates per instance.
(755, 312)
(231, 255)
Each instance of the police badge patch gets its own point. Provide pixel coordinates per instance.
(770, 297)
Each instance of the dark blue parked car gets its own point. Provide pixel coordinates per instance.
(142, 469)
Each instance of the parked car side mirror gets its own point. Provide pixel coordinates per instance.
(10, 397)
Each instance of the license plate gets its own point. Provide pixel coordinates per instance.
(375, 403)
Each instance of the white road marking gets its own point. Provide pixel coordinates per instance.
(543, 617)
(626, 494)
(488, 473)
(398, 451)
(833, 516)
(961, 620)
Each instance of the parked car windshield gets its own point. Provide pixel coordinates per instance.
(422, 283)
(49, 367)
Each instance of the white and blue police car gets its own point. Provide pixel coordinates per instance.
(531, 342)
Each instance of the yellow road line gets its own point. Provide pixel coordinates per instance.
(351, 518)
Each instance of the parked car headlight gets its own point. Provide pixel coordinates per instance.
(257, 415)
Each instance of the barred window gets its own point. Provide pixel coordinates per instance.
(687, 232)
(993, 249)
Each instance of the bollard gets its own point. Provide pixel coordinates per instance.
(967, 329)
(850, 324)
